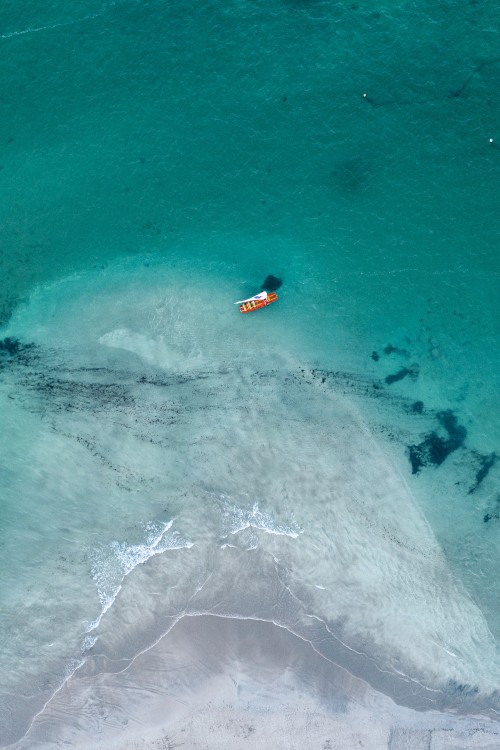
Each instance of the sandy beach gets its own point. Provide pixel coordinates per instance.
(229, 684)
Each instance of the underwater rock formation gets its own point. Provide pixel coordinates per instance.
(434, 449)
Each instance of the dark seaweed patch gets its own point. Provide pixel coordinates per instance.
(390, 349)
(69, 395)
(163, 381)
(417, 458)
(434, 449)
(375, 356)
(489, 516)
(494, 513)
(399, 375)
(14, 347)
(403, 373)
(10, 346)
(360, 385)
(13, 350)
(353, 383)
(417, 407)
(271, 283)
(486, 463)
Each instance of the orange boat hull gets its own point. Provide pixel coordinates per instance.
(256, 304)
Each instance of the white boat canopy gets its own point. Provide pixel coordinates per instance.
(261, 295)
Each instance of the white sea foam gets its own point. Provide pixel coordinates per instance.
(236, 519)
(88, 642)
(112, 563)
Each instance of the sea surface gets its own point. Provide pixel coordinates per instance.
(330, 463)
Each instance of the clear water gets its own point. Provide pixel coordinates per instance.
(159, 160)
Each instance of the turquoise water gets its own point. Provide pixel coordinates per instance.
(158, 161)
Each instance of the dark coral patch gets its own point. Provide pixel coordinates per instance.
(435, 449)
(486, 463)
(494, 512)
(403, 373)
(399, 375)
(10, 346)
(14, 350)
(390, 349)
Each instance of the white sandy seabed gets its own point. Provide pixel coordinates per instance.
(207, 548)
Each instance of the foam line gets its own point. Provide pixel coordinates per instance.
(239, 519)
(111, 565)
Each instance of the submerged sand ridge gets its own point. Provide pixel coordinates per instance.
(204, 476)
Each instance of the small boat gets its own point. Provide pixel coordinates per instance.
(257, 301)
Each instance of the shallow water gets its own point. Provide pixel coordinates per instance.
(336, 452)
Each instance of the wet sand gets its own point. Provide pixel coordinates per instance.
(225, 683)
